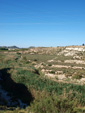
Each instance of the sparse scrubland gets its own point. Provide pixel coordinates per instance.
(43, 80)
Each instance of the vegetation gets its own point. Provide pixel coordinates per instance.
(23, 79)
(3, 48)
(83, 44)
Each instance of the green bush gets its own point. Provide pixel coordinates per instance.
(49, 64)
(3, 48)
(52, 72)
(50, 103)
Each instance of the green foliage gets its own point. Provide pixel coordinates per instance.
(83, 44)
(76, 76)
(53, 72)
(3, 48)
(49, 96)
(37, 82)
(49, 64)
(50, 103)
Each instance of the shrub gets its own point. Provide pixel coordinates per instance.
(53, 72)
(24, 58)
(77, 76)
(49, 64)
(51, 103)
(3, 48)
(35, 60)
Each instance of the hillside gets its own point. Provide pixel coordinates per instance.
(8, 47)
(43, 79)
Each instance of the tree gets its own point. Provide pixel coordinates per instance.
(83, 44)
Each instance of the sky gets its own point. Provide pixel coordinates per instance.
(47, 23)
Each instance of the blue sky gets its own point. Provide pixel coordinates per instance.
(46, 23)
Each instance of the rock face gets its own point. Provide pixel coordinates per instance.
(71, 51)
(61, 77)
(75, 49)
(75, 61)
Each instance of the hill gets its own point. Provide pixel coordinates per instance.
(43, 79)
(9, 47)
